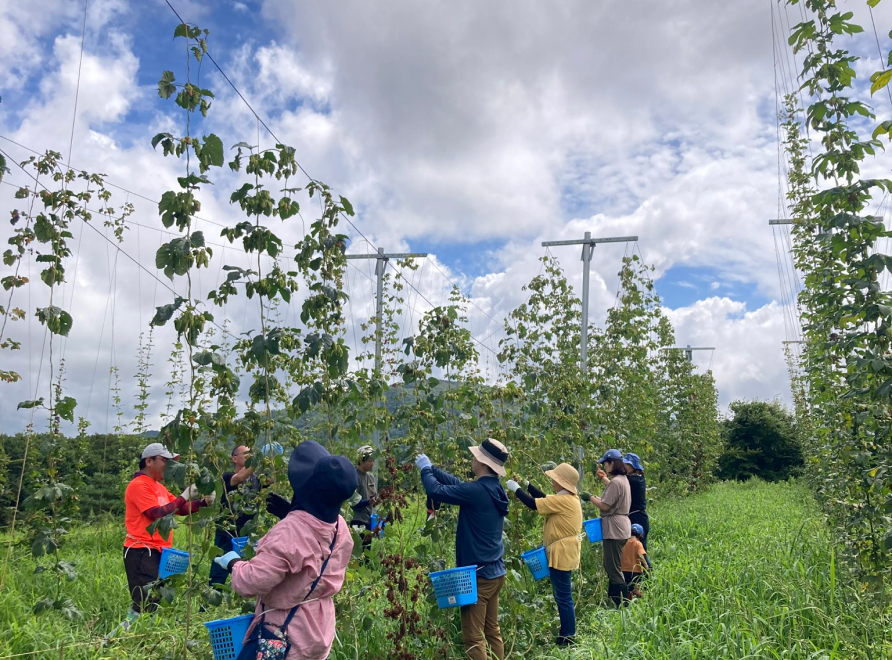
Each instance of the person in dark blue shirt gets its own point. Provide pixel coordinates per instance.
(483, 505)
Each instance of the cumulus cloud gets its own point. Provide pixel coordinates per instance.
(748, 362)
(464, 127)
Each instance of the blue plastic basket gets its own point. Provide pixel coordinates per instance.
(537, 562)
(593, 530)
(173, 562)
(239, 543)
(455, 587)
(377, 525)
(227, 636)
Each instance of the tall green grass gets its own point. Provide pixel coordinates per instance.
(742, 571)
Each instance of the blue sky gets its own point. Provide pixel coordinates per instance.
(462, 129)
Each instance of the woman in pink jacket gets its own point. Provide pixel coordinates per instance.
(291, 556)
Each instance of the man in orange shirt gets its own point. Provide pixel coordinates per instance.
(145, 501)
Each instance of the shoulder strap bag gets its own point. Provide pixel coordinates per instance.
(270, 642)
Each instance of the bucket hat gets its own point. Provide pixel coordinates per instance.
(634, 461)
(334, 480)
(637, 529)
(303, 462)
(492, 453)
(566, 475)
(157, 449)
(611, 455)
(321, 482)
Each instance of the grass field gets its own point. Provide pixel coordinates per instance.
(742, 571)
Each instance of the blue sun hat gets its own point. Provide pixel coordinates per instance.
(637, 529)
(634, 461)
(611, 455)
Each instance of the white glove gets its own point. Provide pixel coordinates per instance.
(210, 499)
(512, 485)
(190, 493)
(223, 560)
(422, 461)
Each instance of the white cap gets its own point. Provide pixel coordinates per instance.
(157, 449)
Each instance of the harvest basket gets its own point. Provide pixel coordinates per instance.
(455, 587)
(227, 636)
(593, 530)
(239, 543)
(173, 562)
(537, 562)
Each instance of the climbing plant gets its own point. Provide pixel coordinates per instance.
(62, 197)
(846, 313)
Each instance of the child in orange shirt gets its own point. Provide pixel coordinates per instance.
(634, 561)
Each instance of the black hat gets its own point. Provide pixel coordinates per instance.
(321, 482)
(303, 462)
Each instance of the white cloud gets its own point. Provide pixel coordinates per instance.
(457, 123)
(748, 362)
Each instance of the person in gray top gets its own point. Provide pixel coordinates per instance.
(365, 499)
(614, 504)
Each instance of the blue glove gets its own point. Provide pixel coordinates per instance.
(422, 461)
(225, 560)
(272, 449)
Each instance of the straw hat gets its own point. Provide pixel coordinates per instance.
(566, 475)
(492, 453)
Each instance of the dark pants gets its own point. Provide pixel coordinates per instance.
(613, 559)
(141, 566)
(562, 588)
(641, 518)
(223, 540)
(633, 579)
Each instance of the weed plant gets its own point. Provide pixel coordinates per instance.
(741, 571)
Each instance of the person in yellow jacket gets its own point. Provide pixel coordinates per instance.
(563, 524)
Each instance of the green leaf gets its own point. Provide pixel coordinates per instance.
(212, 151)
(57, 320)
(348, 207)
(65, 408)
(166, 88)
(164, 526)
(44, 543)
(30, 404)
(182, 30)
(158, 138)
(212, 596)
(883, 390)
(308, 397)
(168, 592)
(164, 313)
(67, 569)
(879, 80)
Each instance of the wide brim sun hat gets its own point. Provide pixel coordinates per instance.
(566, 475)
(634, 461)
(491, 453)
